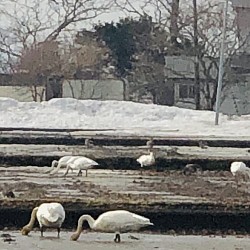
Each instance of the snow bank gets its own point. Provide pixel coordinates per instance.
(128, 117)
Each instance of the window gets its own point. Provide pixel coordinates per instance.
(186, 91)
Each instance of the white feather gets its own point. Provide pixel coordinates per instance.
(81, 163)
(118, 221)
(146, 160)
(239, 166)
(50, 214)
(121, 221)
(63, 163)
(240, 170)
(62, 160)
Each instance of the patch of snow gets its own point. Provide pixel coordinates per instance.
(126, 117)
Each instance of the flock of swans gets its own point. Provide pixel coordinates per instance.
(83, 163)
(73, 163)
(52, 215)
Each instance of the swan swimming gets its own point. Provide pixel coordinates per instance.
(63, 163)
(81, 163)
(49, 215)
(117, 221)
(146, 160)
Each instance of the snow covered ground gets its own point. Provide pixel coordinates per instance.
(127, 118)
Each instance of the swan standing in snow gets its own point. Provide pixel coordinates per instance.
(48, 215)
(63, 162)
(240, 171)
(118, 221)
(146, 160)
(81, 163)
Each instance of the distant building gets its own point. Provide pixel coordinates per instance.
(236, 98)
(18, 88)
(241, 62)
(180, 74)
(242, 8)
(109, 89)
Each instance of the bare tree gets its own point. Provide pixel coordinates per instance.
(207, 21)
(38, 63)
(199, 26)
(174, 29)
(39, 20)
(197, 57)
(73, 11)
(87, 57)
(31, 26)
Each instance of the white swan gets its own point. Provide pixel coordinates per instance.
(118, 221)
(63, 163)
(48, 215)
(146, 160)
(81, 163)
(240, 171)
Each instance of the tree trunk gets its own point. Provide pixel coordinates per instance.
(196, 63)
(174, 30)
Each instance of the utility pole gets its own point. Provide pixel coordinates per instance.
(196, 62)
(221, 68)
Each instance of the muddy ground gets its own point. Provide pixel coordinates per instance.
(206, 202)
(96, 241)
(124, 186)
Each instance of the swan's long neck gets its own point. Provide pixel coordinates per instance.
(32, 218)
(26, 229)
(83, 218)
(69, 166)
(54, 164)
(87, 218)
(55, 170)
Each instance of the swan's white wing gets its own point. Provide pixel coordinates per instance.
(121, 221)
(50, 214)
(142, 158)
(238, 166)
(73, 159)
(146, 160)
(141, 219)
(64, 159)
(245, 168)
(84, 161)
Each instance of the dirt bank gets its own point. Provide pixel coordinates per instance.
(169, 198)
